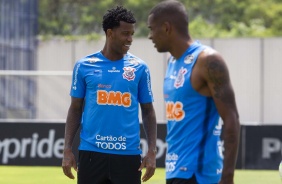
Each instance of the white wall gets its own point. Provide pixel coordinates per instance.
(243, 60)
(272, 99)
(254, 66)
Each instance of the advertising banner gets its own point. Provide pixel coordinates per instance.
(262, 147)
(31, 143)
(41, 144)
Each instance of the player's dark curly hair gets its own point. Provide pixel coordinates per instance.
(113, 17)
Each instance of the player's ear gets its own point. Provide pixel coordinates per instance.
(167, 27)
(109, 33)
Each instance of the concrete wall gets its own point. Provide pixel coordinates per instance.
(254, 66)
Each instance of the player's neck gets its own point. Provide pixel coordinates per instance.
(111, 55)
(179, 48)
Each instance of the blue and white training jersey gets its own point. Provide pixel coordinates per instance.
(112, 91)
(193, 128)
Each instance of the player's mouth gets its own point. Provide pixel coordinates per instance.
(154, 44)
(127, 46)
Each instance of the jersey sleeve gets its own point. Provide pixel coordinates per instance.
(145, 94)
(78, 83)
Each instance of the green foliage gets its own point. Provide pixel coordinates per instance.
(208, 18)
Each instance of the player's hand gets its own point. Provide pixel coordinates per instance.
(149, 161)
(69, 162)
(226, 179)
(226, 182)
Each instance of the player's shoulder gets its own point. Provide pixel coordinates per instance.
(209, 54)
(135, 60)
(91, 58)
(210, 62)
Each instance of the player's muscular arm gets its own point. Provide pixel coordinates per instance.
(71, 127)
(150, 127)
(73, 120)
(217, 77)
(218, 82)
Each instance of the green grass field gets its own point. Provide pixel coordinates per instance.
(54, 175)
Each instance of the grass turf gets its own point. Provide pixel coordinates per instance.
(47, 175)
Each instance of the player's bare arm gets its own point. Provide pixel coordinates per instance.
(217, 78)
(72, 125)
(150, 128)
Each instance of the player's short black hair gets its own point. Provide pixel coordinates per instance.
(113, 17)
(173, 11)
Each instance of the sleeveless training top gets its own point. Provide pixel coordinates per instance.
(112, 92)
(193, 128)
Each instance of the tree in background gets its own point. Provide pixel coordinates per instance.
(208, 18)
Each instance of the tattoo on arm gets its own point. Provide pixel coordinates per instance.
(219, 77)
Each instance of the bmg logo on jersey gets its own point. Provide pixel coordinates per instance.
(174, 111)
(113, 98)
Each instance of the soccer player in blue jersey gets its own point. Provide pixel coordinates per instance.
(197, 92)
(107, 88)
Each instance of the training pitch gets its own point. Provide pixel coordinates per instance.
(47, 175)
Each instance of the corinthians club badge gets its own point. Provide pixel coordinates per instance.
(128, 73)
